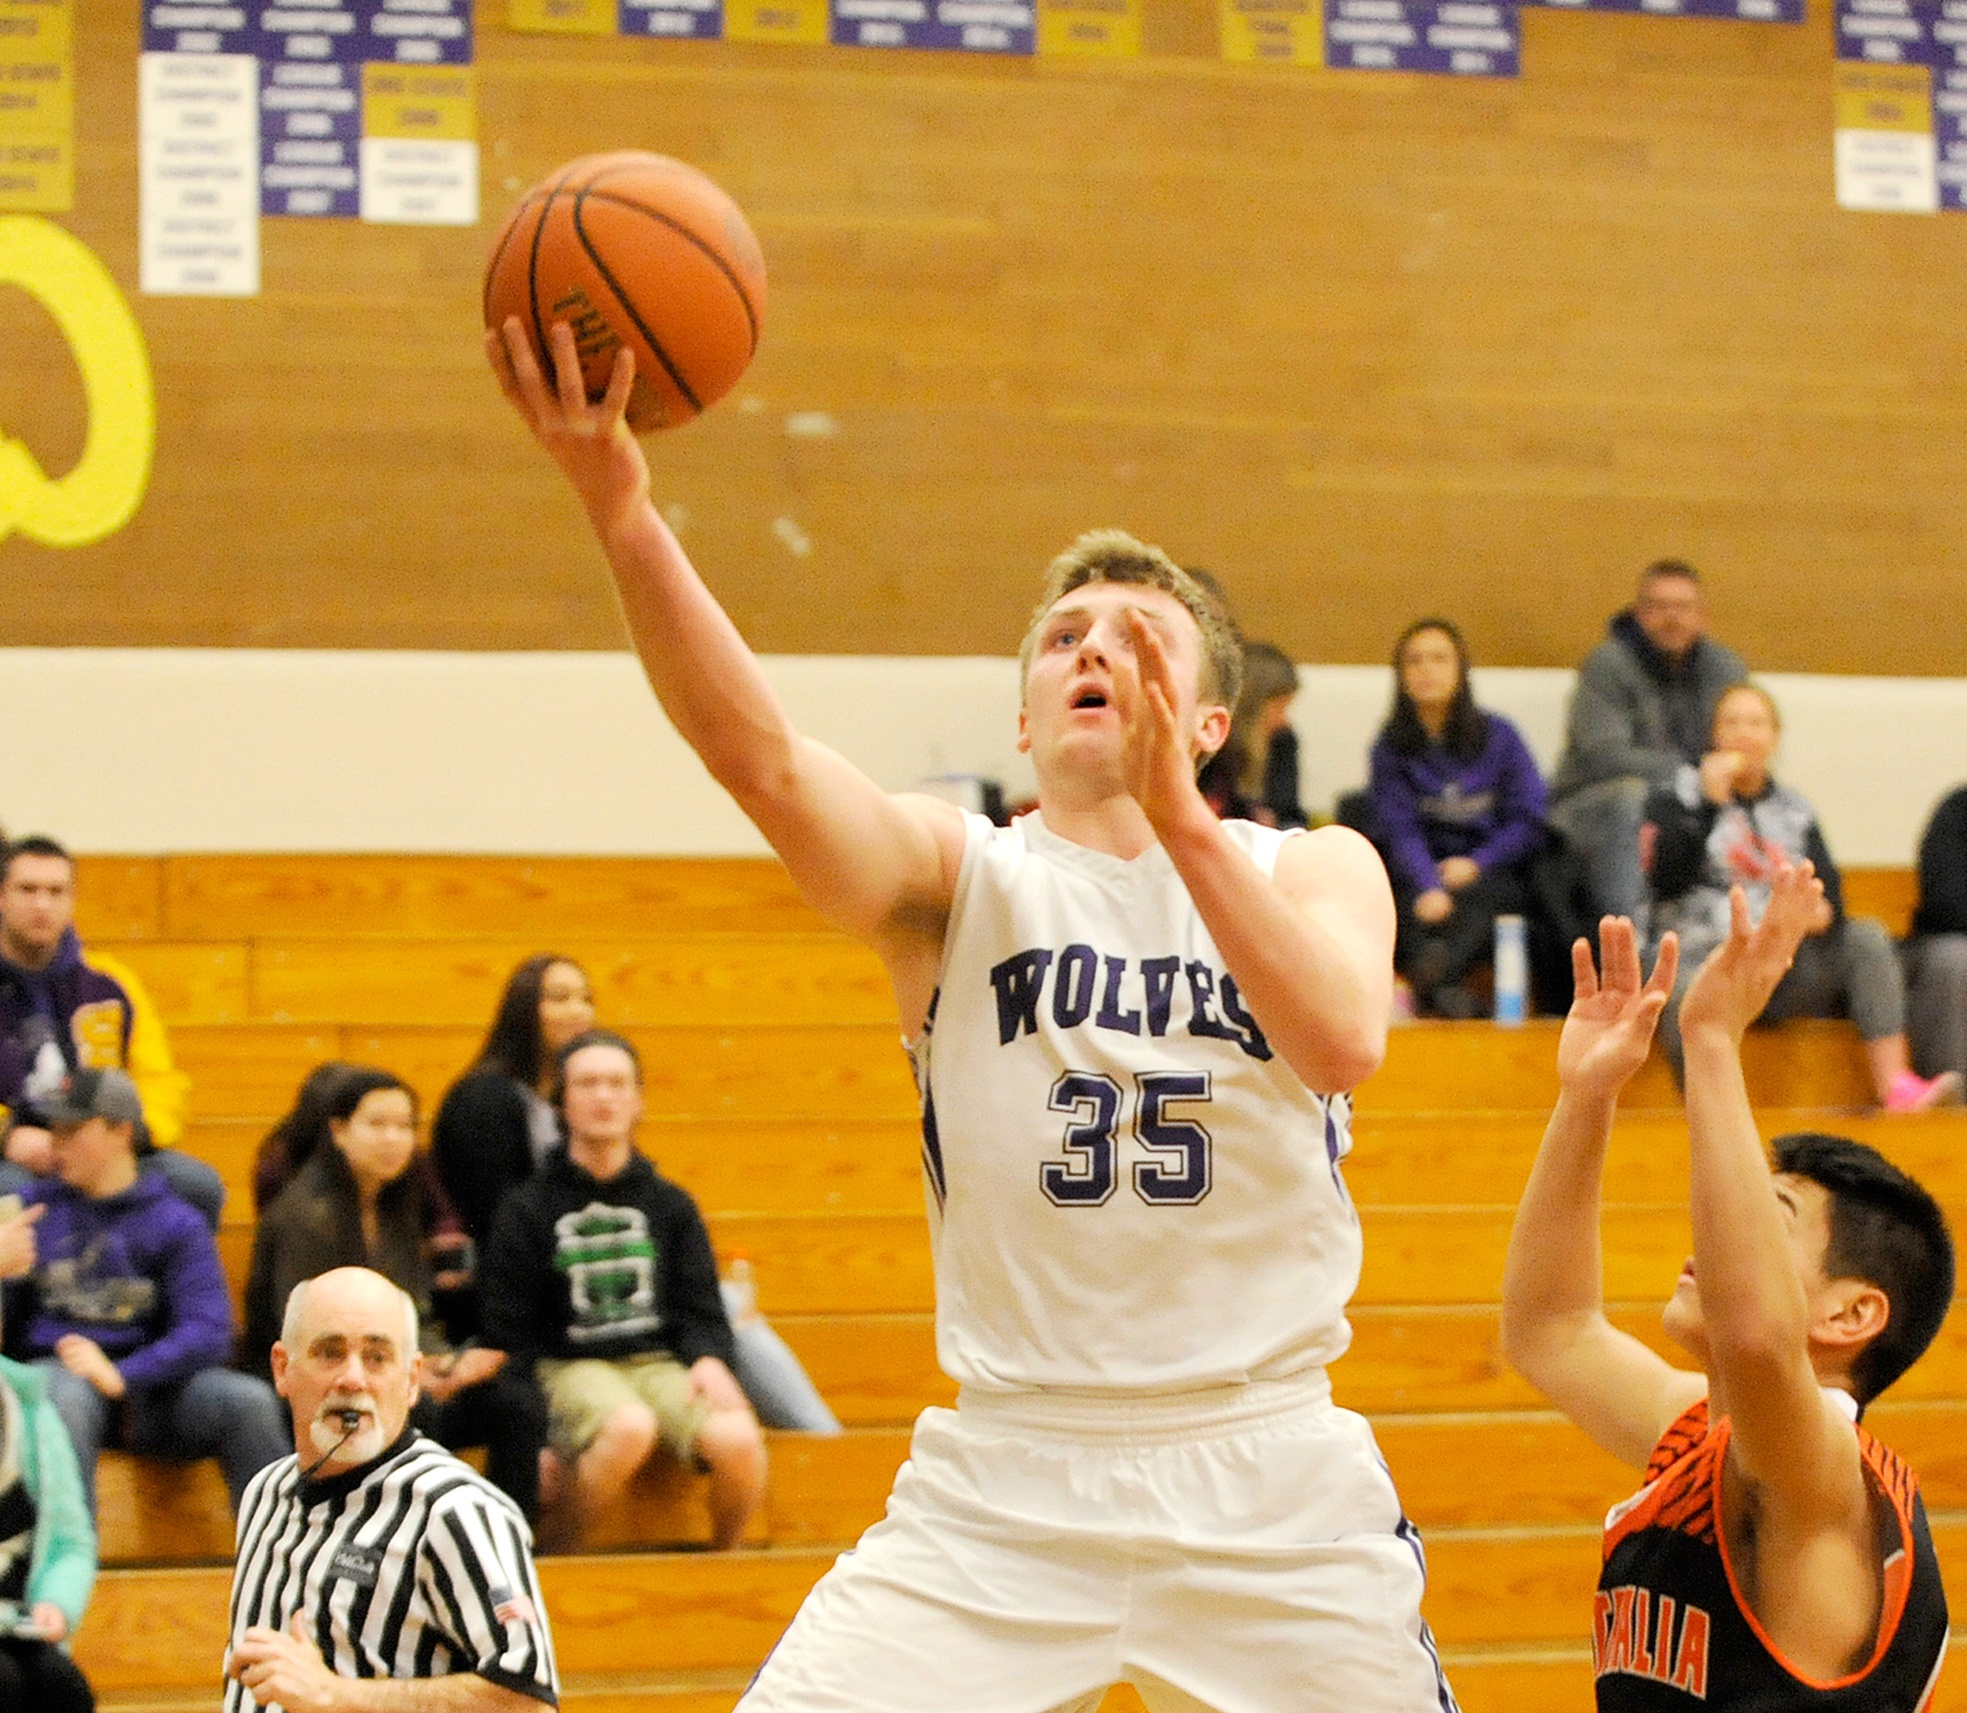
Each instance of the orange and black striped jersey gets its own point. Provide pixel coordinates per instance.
(1670, 1629)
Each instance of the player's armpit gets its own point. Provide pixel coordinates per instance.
(1621, 1394)
(1790, 1440)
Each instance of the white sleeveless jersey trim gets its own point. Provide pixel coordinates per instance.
(1127, 1190)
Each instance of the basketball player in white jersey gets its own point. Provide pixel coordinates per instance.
(1133, 1028)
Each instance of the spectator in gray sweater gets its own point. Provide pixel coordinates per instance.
(1643, 709)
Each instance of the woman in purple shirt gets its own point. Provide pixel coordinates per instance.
(1460, 806)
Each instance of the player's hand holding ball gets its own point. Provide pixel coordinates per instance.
(625, 294)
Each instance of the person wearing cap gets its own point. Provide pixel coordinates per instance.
(63, 1007)
(124, 1308)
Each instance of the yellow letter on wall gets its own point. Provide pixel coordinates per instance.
(102, 492)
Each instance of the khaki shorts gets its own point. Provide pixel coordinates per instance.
(581, 1395)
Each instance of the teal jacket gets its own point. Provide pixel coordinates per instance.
(63, 1567)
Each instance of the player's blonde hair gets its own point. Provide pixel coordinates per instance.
(1113, 556)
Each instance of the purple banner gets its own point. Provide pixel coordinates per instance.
(170, 28)
(962, 26)
(310, 138)
(418, 32)
(1753, 11)
(685, 20)
(1950, 135)
(1888, 32)
(1456, 38)
(1949, 35)
(330, 30)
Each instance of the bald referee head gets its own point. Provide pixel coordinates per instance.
(348, 1365)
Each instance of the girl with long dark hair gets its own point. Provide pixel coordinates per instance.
(1460, 807)
(497, 1122)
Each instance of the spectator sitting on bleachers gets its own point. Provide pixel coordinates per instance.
(63, 1009)
(47, 1550)
(600, 1273)
(292, 1142)
(359, 1200)
(1643, 707)
(1254, 776)
(1936, 954)
(1457, 800)
(125, 1309)
(1728, 823)
(496, 1123)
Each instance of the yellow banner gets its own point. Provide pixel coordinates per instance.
(564, 17)
(801, 21)
(37, 105)
(428, 103)
(1884, 97)
(1091, 29)
(1274, 32)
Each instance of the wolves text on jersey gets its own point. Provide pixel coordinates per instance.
(1126, 995)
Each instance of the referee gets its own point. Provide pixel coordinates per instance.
(376, 1573)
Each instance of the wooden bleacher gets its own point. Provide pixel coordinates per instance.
(779, 1095)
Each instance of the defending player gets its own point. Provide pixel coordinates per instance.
(1133, 1026)
(1778, 1555)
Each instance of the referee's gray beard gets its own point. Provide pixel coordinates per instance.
(332, 1440)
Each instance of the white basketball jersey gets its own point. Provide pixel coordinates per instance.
(1128, 1190)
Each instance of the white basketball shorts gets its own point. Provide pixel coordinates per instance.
(1237, 1551)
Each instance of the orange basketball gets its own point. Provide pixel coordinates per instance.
(638, 250)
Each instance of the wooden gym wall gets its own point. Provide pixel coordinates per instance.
(1365, 344)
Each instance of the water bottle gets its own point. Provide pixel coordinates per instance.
(740, 1291)
(1512, 970)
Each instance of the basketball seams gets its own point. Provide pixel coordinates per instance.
(635, 315)
(498, 256)
(626, 246)
(618, 200)
(533, 268)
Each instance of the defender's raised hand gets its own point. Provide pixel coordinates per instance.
(1734, 985)
(1609, 1029)
(589, 440)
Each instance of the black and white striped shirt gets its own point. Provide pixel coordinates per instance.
(411, 1566)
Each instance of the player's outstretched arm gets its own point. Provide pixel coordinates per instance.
(875, 864)
(1312, 948)
(1554, 1327)
(1755, 1313)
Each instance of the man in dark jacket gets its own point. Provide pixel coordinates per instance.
(1936, 955)
(1644, 705)
(600, 1273)
(125, 1308)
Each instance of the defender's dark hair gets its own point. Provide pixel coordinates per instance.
(513, 1044)
(1466, 734)
(1888, 1231)
(34, 844)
